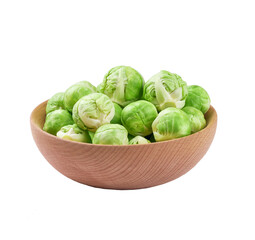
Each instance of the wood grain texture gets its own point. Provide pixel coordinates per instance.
(123, 167)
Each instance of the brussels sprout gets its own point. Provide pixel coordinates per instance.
(75, 92)
(74, 133)
(171, 123)
(99, 88)
(111, 134)
(137, 117)
(138, 140)
(93, 111)
(117, 116)
(56, 120)
(198, 98)
(123, 85)
(91, 134)
(165, 89)
(55, 102)
(196, 117)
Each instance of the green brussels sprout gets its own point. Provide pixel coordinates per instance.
(93, 111)
(138, 116)
(75, 92)
(123, 85)
(56, 120)
(55, 102)
(111, 134)
(74, 133)
(196, 117)
(138, 140)
(198, 98)
(99, 88)
(91, 134)
(117, 116)
(171, 123)
(165, 89)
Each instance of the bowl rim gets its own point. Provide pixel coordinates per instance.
(32, 123)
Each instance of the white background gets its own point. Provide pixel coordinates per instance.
(46, 46)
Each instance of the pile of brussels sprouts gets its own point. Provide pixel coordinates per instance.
(124, 110)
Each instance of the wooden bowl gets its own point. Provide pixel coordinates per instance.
(123, 167)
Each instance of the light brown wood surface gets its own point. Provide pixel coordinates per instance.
(123, 167)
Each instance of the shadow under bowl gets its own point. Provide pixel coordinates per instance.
(123, 167)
